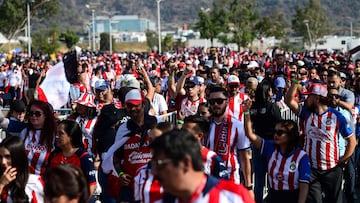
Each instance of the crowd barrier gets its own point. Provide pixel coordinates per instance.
(169, 117)
(287, 114)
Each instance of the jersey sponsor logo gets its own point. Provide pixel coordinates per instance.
(36, 148)
(318, 134)
(222, 146)
(139, 157)
(132, 146)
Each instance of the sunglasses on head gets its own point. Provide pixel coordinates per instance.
(280, 132)
(218, 101)
(36, 113)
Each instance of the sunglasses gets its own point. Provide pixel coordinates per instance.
(233, 86)
(280, 132)
(218, 101)
(303, 73)
(336, 96)
(36, 113)
(189, 86)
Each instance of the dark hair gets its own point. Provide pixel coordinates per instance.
(216, 88)
(49, 126)
(292, 131)
(176, 144)
(262, 94)
(19, 160)
(68, 180)
(164, 127)
(202, 124)
(73, 130)
(332, 73)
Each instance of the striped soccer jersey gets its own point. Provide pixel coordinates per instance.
(87, 129)
(322, 136)
(34, 189)
(37, 153)
(225, 139)
(285, 172)
(236, 105)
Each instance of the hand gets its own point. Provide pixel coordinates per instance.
(141, 70)
(188, 70)
(247, 105)
(8, 176)
(125, 179)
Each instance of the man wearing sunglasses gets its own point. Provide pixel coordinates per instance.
(236, 97)
(323, 126)
(347, 98)
(227, 138)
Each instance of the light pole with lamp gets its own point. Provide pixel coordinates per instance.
(308, 30)
(159, 26)
(92, 6)
(28, 24)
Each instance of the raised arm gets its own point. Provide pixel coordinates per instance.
(290, 98)
(254, 139)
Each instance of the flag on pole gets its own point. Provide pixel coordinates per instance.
(55, 88)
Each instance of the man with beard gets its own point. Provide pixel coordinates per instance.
(227, 137)
(236, 97)
(347, 98)
(323, 126)
(131, 148)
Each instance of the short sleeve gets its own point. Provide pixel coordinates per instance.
(267, 148)
(304, 169)
(242, 141)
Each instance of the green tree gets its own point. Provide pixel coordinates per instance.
(167, 43)
(46, 42)
(271, 25)
(104, 41)
(13, 14)
(312, 15)
(151, 39)
(70, 38)
(242, 18)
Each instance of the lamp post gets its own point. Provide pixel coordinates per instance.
(93, 6)
(28, 24)
(308, 30)
(159, 26)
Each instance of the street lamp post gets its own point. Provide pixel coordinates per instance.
(308, 30)
(159, 26)
(110, 37)
(28, 25)
(93, 27)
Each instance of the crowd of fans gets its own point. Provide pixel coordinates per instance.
(228, 136)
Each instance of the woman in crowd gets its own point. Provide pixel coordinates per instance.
(70, 150)
(16, 184)
(39, 135)
(264, 114)
(288, 166)
(66, 183)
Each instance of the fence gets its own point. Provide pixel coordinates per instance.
(169, 117)
(287, 114)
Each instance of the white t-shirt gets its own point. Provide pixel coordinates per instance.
(159, 104)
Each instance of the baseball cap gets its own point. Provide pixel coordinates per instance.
(233, 79)
(18, 106)
(133, 83)
(193, 79)
(201, 80)
(86, 99)
(134, 97)
(101, 84)
(279, 82)
(317, 89)
(343, 75)
(252, 80)
(252, 64)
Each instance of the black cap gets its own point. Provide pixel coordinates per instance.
(18, 106)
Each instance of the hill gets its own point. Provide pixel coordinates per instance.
(75, 16)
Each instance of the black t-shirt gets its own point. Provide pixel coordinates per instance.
(264, 120)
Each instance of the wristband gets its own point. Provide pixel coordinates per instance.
(180, 121)
(247, 113)
(249, 187)
(295, 81)
(121, 173)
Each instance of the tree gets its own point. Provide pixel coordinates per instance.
(70, 38)
(13, 14)
(46, 42)
(271, 25)
(313, 16)
(104, 41)
(242, 18)
(167, 43)
(151, 39)
(211, 22)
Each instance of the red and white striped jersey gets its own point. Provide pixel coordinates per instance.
(322, 136)
(34, 189)
(37, 153)
(190, 107)
(235, 107)
(146, 188)
(87, 128)
(216, 191)
(285, 172)
(114, 101)
(225, 139)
